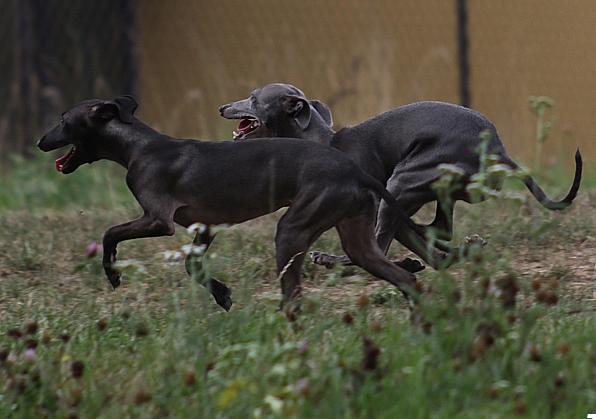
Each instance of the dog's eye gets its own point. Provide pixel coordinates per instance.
(61, 121)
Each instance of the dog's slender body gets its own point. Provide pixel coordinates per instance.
(188, 181)
(400, 148)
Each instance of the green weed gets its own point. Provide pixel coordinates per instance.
(35, 183)
(508, 332)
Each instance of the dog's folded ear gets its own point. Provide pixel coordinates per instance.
(126, 107)
(299, 108)
(123, 107)
(323, 110)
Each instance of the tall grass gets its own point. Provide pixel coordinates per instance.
(483, 343)
(489, 339)
(35, 183)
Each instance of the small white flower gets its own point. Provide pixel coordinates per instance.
(407, 370)
(274, 403)
(501, 384)
(451, 169)
(499, 169)
(197, 228)
(193, 249)
(216, 229)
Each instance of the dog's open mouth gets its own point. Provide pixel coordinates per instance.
(61, 162)
(245, 127)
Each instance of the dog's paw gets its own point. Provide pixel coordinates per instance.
(224, 301)
(409, 264)
(222, 294)
(327, 260)
(474, 239)
(115, 279)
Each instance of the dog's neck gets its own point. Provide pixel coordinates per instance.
(318, 131)
(121, 142)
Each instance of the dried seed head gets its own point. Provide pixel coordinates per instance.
(14, 333)
(142, 330)
(142, 396)
(76, 369)
(456, 295)
(508, 288)
(519, 407)
(563, 348)
(362, 300)
(190, 378)
(533, 352)
(291, 316)
(210, 365)
(31, 328)
(371, 355)
(548, 297)
(560, 379)
(347, 318)
(101, 324)
(536, 284)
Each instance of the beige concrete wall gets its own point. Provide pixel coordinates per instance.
(365, 57)
(361, 58)
(535, 47)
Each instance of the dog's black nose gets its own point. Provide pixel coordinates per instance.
(222, 108)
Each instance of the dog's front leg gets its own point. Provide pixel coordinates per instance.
(194, 267)
(146, 226)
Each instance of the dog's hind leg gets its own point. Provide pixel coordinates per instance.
(297, 230)
(291, 245)
(194, 267)
(443, 222)
(359, 243)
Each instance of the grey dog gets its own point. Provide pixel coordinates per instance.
(188, 181)
(400, 148)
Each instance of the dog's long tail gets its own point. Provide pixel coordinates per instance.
(565, 202)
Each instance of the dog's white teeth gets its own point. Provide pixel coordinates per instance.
(235, 133)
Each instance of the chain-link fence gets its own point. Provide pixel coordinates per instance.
(56, 53)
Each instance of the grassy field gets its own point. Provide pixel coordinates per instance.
(510, 332)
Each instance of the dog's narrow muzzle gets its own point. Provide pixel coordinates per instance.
(41, 144)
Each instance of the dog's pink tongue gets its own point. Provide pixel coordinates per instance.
(60, 162)
(244, 125)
